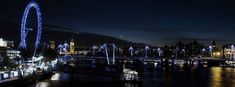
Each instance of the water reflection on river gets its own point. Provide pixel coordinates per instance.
(191, 77)
(157, 77)
(222, 77)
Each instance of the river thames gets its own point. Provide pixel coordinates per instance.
(150, 76)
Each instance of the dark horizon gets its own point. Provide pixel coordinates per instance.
(60, 29)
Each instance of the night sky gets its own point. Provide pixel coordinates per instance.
(148, 21)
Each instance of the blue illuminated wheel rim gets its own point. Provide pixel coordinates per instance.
(34, 5)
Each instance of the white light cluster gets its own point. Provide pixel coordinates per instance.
(3, 43)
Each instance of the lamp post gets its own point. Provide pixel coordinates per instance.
(176, 52)
(146, 51)
(159, 51)
(203, 52)
(93, 54)
(131, 49)
(93, 50)
(211, 48)
(114, 47)
(183, 50)
(232, 51)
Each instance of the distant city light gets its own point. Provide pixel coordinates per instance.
(3, 43)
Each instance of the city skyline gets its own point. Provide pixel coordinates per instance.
(117, 43)
(137, 21)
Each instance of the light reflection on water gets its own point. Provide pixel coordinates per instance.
(222, 77)
(190, 77)
(165, 77)
(216, 77)
(128, 84)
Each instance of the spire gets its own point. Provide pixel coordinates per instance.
(213, 44)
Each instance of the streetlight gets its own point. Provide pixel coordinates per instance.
(232, 51)
(203, 51)
(183, 50)
(93, 50)
(93, 53)
(211, 48)
(114, 47)
(176, 52)
(146, 51)
(159, 52)
(131, 49)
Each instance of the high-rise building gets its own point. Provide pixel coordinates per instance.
(72, 46)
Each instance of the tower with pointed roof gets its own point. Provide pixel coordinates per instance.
(72, 46)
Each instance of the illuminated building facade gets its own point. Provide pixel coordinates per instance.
(4, 49)
(3, 43)
(72, 46)
(229, 52)
(10, 53)
(214, 51)
(52, 44)
(67, 48)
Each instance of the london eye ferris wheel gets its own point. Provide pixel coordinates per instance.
(25, 30)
